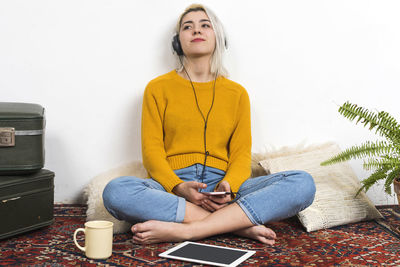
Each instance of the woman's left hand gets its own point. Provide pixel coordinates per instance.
(214, 203)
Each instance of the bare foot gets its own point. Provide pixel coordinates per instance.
(151, 232)
(259, 233)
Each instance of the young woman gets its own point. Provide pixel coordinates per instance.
(196, 138)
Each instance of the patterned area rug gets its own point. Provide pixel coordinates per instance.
(363, 244)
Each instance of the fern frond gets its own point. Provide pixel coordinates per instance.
(389, 125)
(384, 156)
(390, 178)
(386, 125)
(352, 111)
(378, 163)
(373, 178)
(368, 149)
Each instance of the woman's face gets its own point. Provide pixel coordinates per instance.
(196, 34)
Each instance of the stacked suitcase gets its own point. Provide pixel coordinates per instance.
(26, 189)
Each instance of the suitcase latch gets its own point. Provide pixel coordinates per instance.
(7, 137)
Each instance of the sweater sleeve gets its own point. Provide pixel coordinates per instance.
(153, 151)
(239, 163)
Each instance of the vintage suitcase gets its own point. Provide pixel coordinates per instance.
(21, 138)
(26, 202)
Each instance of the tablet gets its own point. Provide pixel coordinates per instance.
(207, 254)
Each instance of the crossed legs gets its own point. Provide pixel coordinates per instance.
(168, 218)
(199, 223)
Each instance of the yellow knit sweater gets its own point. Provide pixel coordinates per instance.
(173, 129)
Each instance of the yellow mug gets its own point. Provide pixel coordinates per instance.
(98, 239)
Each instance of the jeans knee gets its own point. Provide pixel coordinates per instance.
(111, 192)
(308, 188)
(304, 189)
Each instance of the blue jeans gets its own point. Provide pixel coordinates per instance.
(263, 199)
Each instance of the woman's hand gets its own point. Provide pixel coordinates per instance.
(213, 203)
(190, 191)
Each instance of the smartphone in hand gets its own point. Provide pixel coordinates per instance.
(216, 193)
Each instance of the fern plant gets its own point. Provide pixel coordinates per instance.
(380, 156)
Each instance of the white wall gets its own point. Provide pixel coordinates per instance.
(87, 62)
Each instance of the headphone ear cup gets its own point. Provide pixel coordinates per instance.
(176, 45)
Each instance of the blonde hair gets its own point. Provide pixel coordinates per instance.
(216, 60)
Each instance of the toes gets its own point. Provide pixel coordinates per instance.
(142, 235)
(268, 236)
(142, 227)
(142, 238)
(266, 240)
(136, 228)
(271, 233)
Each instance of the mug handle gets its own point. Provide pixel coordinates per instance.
(76, 242)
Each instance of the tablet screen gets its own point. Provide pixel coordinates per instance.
(209, 254)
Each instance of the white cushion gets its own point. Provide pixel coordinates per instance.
(335, 203)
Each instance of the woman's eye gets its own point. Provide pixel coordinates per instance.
(189, 27)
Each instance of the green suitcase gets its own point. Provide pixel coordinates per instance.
(26, 202)
(21, 138)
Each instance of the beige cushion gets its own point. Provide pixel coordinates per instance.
(94, 193)
(335, 203)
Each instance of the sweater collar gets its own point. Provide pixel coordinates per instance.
(184, 81)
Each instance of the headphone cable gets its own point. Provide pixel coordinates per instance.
(205, 119)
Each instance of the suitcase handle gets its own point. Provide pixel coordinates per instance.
(10, 199)
(76, 242)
